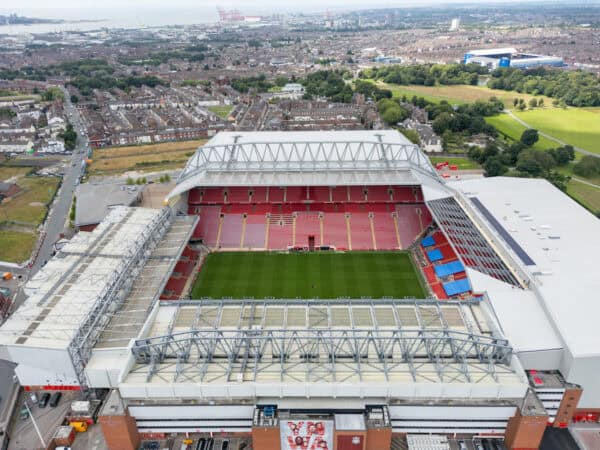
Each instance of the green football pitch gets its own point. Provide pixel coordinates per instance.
(308, 275)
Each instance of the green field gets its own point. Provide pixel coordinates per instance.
(222, 110)
(308, 275)
(508, 126)
(574, 126)
(458, 94)
(16, 246)
(462, 163)
(588, 196)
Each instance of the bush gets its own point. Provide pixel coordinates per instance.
(588, 166)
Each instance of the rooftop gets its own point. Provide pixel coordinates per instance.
(561, 239)
(94, 199)
(304, 158)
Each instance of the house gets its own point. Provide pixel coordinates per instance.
(430, 142)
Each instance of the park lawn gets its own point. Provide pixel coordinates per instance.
(459, 94)
(588, 196)
(222, 110)
(463, 163)
(574, 126)
(508, 126)
(153, 157)
(8, 172)
(31, 204)
(16, 246)
(308, 275)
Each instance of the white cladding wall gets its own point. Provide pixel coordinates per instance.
(585, 372)
(197, 418)
(322, 390)
(450, 419)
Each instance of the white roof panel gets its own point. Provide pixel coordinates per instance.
(562, 239)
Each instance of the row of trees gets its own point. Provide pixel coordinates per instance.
(574, 88)
(86, 84)
(427, 74)
(259, 83)
(467, 119)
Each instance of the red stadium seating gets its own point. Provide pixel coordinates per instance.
(339, 194)
(194, 197)
(357, 194)
(385, 231)
(409, 225)
(308, 204)
(231, 231)
(238, 195)
(208, 225)
(213, 195)
(335, 232)
(378, 194)
(256, 228)
(360, 232)
(280, 231)
(307, 224)
(259, 195)
(320, 194)
(295, 194)
(276, 195)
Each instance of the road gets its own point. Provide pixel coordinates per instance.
(552, 138)
(59, 211)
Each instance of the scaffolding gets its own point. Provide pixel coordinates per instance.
(437, 344)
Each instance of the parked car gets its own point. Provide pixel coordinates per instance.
(55, 399)
(44, 400)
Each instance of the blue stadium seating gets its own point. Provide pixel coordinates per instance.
(443, 270)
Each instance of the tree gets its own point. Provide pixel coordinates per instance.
(130, 181)
(515, 102)
(74, 99)
(588, 166)
(529, 137)
(494, 167)
(541, 102)
(535, 163)
(562, 155)
(533, 103)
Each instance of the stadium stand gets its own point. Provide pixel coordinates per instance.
(231, 231)
(237, 195)
(208, 226)
(457, 287)
(256, 227)
(434, 255)
(360, 232)
(339, 194)
(385, 231)
(335, 231)
(307, 225)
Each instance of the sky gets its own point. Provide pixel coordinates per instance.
(241, 4)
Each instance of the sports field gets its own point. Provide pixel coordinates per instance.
(508, 126)
(308, 275)
(574, 126)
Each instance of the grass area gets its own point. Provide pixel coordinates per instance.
(508, 126)
(308, 275)
(463, 163)
(588, 196)
(30, 205)
(222, 110)
(574, 126)
(459, 94)
(16, 246)
(154, 157)
(7, 172)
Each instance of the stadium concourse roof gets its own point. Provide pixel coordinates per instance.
(556, 242)
(330, 158)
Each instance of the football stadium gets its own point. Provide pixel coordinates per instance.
(324, 290)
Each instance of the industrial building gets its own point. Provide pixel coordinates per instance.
(494, 58)
(505, 345)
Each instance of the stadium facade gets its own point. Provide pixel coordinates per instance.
(494, 58)
(505, 344)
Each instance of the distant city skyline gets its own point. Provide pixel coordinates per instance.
(271, 5)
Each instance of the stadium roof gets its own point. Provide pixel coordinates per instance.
(248, 348)
(561, 239)
(68, 288)
(493, 51)
(304, 158)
